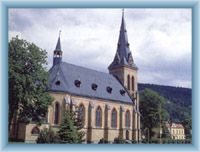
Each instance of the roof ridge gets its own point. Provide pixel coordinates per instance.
(86, 68)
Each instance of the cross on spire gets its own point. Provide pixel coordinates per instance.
(59, 33)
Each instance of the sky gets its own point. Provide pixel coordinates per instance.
(160, 39)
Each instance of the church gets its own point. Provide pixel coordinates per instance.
(108, 102)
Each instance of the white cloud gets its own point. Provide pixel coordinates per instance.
(160, 39)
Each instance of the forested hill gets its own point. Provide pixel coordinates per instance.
(179, 100)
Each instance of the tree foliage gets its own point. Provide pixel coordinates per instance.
(152, 111)
(179, 103)
(71, 127)
(47, 136)
(119, 140)
(28, 99)
(179, 100)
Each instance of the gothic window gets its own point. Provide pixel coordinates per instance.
(133, 82)
(35, 131)
(56, 114)
(127, 119)
(98, 117)
(127, 135)
(128, 82)
(114, 118)
(81, 113)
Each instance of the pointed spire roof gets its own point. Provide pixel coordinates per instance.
(123, 55)
(58, 45)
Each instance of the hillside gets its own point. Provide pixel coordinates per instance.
(179, 100)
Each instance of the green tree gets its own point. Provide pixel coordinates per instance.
(152, 111)
(71, 126)
(28, 99)
(187, 123)
(47, 135)
(67, 132)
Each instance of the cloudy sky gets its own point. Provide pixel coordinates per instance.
(160, 39)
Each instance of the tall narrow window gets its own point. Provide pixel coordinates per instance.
(57, 111)
(127, 119)
(127, 135)
(81, 113)
(133, 83)
(128, 82)
(98, 117)
(114, 118)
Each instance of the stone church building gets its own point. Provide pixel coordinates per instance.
(108, 102)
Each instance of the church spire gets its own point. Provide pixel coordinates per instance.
(58, 45)
(57, 54)
(123, 55)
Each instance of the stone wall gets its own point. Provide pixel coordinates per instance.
(94, 133)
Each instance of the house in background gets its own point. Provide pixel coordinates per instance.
(176, 130)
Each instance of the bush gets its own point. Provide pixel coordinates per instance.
(103, 141)
(47, 135)
(119, 140)
(134, 142)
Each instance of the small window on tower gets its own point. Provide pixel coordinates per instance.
(77, 83)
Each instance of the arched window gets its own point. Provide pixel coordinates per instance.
(127, 119)
(127, 135)
(98, 117)
(114, 118)
(35, 131)
(56, 114)
(81, 113)
(128, 82)
(133, 83)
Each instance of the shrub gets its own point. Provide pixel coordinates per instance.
(47, 135)
(119, 140)
(103, 141)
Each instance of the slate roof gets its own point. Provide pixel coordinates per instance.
(123, 56)
(66, 74)
(58, 45)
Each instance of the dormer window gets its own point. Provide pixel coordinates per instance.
(109, 89)
(77, 83)
(122, 92)
(94, 86)
(58, 83)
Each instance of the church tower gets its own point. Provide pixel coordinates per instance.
(57, 54)
(125, 70)
(123, 66)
